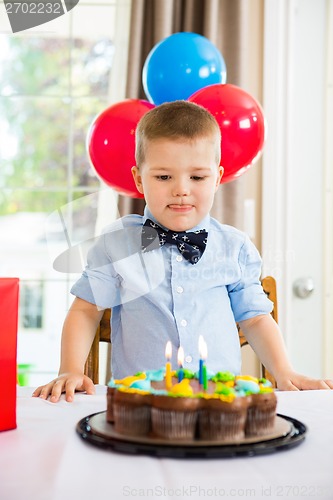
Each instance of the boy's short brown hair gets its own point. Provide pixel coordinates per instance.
(175, 120)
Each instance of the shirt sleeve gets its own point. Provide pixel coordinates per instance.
(246, 296)
(99, 282)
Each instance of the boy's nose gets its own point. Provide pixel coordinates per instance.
(181, 189)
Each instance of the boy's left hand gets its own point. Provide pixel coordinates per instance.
(296, 382)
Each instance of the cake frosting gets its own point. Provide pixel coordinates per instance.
(229, 408)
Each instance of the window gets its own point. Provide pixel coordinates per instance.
(32, 305)
(54, 80)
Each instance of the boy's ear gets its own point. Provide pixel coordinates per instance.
(220, 175)
(137, 179)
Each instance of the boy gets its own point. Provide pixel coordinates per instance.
(174, 273)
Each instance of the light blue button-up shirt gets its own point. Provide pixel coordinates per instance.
(158, 296)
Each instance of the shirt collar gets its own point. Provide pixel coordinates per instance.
(204, 224)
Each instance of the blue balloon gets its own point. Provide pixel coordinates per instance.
(180, 65)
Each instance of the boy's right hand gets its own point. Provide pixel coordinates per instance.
(67, 383)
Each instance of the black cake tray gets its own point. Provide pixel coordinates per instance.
(287, 434)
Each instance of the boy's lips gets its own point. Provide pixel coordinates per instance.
(180, 208)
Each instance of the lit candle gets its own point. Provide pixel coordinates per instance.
(180, 364)
(203, 357)
(168, 354)
(205, 378)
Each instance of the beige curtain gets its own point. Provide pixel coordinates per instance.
(235, 27)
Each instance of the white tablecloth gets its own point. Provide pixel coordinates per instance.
(44, 459)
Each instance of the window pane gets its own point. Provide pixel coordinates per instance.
(84, 112)
(36, 153)
(74, 222)
(17, 204)
(34, 65)
(71, 230)
(23, 236)
(34, 142)
(93, 53)
(32, 301)
(92, 62)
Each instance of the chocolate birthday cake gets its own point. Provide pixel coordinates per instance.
(227, 408)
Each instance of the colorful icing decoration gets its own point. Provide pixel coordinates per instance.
(240, 393)
(265, 383)
(155, 375)
(142, 384)
(112, 383)
(247, 377)
(127, 381)
(248, 385)
(265, 389)
(222, 392)
(183, 388)
(159, 392)
(230, 383)
(210, 374)
(224, 389)
(223, 377)
(227, 398)
(132, 390)
(187, 373)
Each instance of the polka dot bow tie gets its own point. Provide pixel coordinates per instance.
(190, 244)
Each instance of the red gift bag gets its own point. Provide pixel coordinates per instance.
(9, 288)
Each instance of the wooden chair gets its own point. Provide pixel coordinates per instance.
(269, 287)
(103, 334)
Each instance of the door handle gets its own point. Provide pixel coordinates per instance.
(303, 287)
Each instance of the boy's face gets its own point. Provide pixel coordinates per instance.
(179, 179)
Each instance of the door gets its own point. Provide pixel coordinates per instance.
(295, 163)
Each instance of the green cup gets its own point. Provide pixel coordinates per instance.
(23, 371)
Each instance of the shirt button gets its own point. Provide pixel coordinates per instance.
(183, 322)
(179, 258)
(179, 289)
(188, 359)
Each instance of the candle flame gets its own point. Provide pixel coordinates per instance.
(168, 350)
(180, 356)
(200, 342)
(202, 348)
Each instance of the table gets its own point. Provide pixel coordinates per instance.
(45, 459)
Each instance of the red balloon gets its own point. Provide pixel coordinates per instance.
(242, 125)
(111, 144)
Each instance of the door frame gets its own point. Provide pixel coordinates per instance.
(328, 202)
